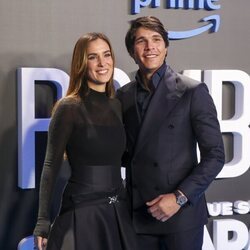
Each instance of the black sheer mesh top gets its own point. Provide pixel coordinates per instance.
(91, 133)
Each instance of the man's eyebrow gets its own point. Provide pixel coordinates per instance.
(140, 37)
(157, 35)
(143, 37)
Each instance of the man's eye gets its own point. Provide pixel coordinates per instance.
(158, 39)
(139, 41)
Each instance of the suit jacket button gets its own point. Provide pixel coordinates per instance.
(155, 164)
(171, 126)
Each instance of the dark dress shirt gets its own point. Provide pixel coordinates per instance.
(145, 93)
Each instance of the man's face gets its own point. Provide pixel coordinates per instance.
(149, 50)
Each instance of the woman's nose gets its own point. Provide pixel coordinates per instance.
(101, 61)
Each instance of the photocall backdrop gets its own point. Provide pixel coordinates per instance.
(210, 40)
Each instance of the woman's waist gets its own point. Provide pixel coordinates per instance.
(75, 198)
(96, 175)
(92, 187)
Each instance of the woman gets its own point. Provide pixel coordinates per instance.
(87, 126)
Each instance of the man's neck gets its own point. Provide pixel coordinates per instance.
(146, 77)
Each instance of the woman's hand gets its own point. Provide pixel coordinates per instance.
(40, 242)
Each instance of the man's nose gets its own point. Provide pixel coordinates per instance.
(149, 44)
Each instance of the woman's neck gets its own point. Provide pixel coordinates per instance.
(97, 87)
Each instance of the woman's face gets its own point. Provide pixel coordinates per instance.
(100, 64)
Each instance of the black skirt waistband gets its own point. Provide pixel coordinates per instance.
(97, 175)
(95, 198)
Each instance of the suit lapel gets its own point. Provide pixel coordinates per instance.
(131, 115)
(165, 98)
(132, 104)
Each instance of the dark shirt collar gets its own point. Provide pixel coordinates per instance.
(156, 77)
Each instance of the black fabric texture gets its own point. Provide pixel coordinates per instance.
(91, 133)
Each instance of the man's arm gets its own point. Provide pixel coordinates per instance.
(208, 135)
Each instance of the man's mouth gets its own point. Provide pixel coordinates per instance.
(150, 55)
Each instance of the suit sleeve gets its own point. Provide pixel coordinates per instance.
(125, 156)
(60, 128)
(208, 135)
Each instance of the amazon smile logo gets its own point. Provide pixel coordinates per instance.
(212, 22)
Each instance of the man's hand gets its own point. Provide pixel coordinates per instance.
(163, 207)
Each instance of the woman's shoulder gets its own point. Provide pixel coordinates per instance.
(115, 101)
(69, 100)
(67, 103)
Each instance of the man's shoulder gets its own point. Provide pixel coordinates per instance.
(186, 84)
(127, 87)
(187, 81)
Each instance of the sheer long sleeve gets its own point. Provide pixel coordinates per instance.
(60, 129)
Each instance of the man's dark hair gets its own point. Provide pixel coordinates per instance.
(147, 22)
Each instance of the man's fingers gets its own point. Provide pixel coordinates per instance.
(156, 213)
(153, 209)
(159, 215)
(154, 201)
(165, 218)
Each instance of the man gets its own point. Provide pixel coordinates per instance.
(165, 115)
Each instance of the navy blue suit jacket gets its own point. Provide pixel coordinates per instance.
(161, 150)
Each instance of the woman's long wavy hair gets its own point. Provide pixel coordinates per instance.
(78, 86)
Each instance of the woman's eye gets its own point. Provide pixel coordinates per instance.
(91, 57)
(107, 55)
